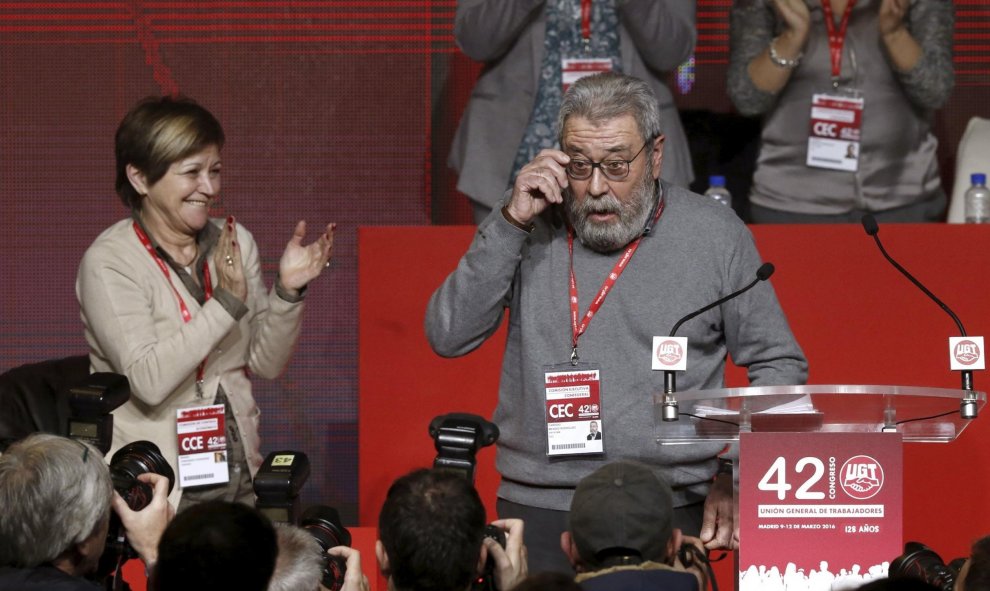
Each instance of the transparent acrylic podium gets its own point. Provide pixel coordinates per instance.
(917, 413)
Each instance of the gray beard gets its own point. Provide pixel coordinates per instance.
(609, 237)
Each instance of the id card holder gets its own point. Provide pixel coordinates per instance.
(573, 411)
(834, 130)
(202, 446)
(573, 69)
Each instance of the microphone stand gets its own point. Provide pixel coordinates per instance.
(669, 406)
(967, 406)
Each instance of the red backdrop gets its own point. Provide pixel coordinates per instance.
(857, 319)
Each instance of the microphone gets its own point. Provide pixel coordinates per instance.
(872, 229)
(669, 377)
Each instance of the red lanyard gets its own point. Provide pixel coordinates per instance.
(836, 38)
(586, 20)
(183, 309)
(578, 327)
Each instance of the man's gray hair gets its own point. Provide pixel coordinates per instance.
(608, 95)
(54, 492)
(299, 566)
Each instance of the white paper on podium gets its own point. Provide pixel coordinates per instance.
(802, 405)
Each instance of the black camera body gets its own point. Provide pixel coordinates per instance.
(130, 461)
(277, 485)
(921, 562)
(486, 580)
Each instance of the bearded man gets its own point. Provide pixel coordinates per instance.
(592, 256)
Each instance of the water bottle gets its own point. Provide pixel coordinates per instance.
(718, 192)
(978, 200)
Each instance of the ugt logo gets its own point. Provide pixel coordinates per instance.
(669, 353)
(967, 352)
(861, 477)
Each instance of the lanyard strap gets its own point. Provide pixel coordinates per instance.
(183, 309)
(579, 326)
(836, 37)
(586, 20)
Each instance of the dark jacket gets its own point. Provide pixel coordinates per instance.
(45, 577)
(648, 576)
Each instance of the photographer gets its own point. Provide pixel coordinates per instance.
(432, 536)
(975, 572)
(299, 566)
(620, 534)
(55, 497)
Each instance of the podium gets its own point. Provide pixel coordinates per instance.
(820, 478)
(919, 414)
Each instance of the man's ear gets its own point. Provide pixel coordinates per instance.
(137, 179)
(382, 557)
(569, 548)
(657, 156)
(673, 545)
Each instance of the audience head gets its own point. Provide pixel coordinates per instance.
(216, 545)
(975, 573)
(620, 514)
(610, 95)
(431, 528)
(299, 566)
(55, 502)
(156, 133)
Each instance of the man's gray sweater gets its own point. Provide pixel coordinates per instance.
(697, 252)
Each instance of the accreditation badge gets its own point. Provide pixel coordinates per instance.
(573, 69)
(574, 410)
(834, 130)
(202, 446)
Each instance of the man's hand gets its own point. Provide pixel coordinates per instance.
(510, 563)
(144, 528)
(354, 578)
(718, 526)
(538, 184)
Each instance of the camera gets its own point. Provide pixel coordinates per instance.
(457, 438)
(323, 523)
(130, 461)
(486, 581)
(277, 485)
(921, 562)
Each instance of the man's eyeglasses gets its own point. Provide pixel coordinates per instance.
(614, 170)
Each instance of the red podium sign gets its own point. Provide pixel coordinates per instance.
(818, 511)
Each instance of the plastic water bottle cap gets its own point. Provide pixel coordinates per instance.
(716, 180)
(977, 178)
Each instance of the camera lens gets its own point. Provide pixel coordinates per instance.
(323, 523)
(921, 562)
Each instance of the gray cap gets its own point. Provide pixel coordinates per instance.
(622, 505)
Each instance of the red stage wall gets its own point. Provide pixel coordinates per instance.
(857, 319)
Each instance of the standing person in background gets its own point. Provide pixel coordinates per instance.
(533, 49)
(175, 300)
(874, 70)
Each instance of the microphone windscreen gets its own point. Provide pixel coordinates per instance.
(870, 224)
(765, 271)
